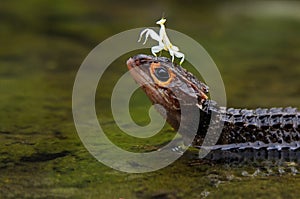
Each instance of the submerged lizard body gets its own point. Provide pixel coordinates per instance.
(163, 81)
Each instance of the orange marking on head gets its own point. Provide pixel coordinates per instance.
(153, 66)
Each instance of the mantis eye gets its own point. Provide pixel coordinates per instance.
(161, 74)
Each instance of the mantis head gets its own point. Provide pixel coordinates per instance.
(161, 22)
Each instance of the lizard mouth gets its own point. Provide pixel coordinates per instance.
(139, 70)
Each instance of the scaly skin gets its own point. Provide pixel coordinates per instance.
(273, 128)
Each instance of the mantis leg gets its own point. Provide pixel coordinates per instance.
(156, 49)
(172, 54)
(179, 55)
(149, 32)
(174, 48)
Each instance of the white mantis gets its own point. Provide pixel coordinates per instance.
(163, 41)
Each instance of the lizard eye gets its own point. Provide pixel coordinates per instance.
(161, 74)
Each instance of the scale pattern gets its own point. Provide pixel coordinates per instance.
(273, 128)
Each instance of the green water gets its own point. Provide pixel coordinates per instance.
(256, 46)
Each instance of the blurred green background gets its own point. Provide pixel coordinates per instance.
(255, 44)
